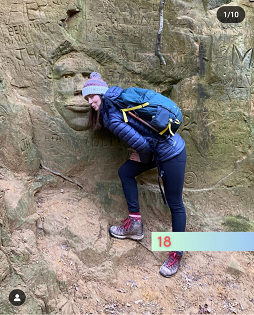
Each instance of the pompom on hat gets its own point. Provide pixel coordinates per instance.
(94, 85)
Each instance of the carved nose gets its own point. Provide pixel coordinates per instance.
(78, 84)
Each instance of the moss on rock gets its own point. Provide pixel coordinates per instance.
(238, 224)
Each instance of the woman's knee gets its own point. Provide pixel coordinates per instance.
(176, 207)
(123, 171)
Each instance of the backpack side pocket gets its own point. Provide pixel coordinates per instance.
(161, 119)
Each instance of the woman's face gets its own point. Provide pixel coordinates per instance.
(94, 101)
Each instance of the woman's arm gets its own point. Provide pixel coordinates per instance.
(134, 139)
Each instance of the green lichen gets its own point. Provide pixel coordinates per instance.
(106, 190)
(238, 224)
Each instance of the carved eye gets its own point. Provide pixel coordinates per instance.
(86, 75)
(67, 75)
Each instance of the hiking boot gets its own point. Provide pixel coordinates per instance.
(130, 229)
(170, 266)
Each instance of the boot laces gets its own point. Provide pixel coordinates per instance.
(127, 223)
(172, 258)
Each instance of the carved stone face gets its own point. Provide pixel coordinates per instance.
(70, 73)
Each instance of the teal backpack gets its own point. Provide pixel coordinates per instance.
(160, 112)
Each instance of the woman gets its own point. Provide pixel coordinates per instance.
(170, 155)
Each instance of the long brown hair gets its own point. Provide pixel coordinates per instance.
(95, 120)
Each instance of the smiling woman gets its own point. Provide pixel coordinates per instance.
(69, 73)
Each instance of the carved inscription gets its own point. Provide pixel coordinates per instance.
(231, 140)
(190, 180)
(252, 105)
(53, 137)
(242, 65)
(3, 123)
(25, 145)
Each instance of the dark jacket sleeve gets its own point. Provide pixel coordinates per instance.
(116, 124)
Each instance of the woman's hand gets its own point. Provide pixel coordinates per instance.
(135, 157)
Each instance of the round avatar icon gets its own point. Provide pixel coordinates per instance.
(17, 297)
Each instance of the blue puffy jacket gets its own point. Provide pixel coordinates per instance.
(136, 134)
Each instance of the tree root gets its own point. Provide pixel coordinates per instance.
(63, 176)
(158, 41)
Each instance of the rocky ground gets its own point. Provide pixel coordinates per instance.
(67, 263)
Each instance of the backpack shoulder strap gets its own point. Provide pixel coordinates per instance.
(124, 110)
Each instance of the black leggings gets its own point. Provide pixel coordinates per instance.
(173, 180)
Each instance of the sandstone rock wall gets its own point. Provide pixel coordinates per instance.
(48, 49)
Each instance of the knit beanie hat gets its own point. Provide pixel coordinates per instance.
(94, 85)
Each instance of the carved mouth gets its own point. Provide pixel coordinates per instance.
(78, 108)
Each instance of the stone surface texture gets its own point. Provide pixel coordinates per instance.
(48, 48)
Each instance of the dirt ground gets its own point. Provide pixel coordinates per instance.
(104, 275)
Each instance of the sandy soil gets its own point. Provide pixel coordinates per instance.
(104, 275)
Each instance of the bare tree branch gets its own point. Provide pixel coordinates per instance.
(158, 41)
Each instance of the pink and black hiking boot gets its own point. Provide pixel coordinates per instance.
(131, 228)
(170, 266)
